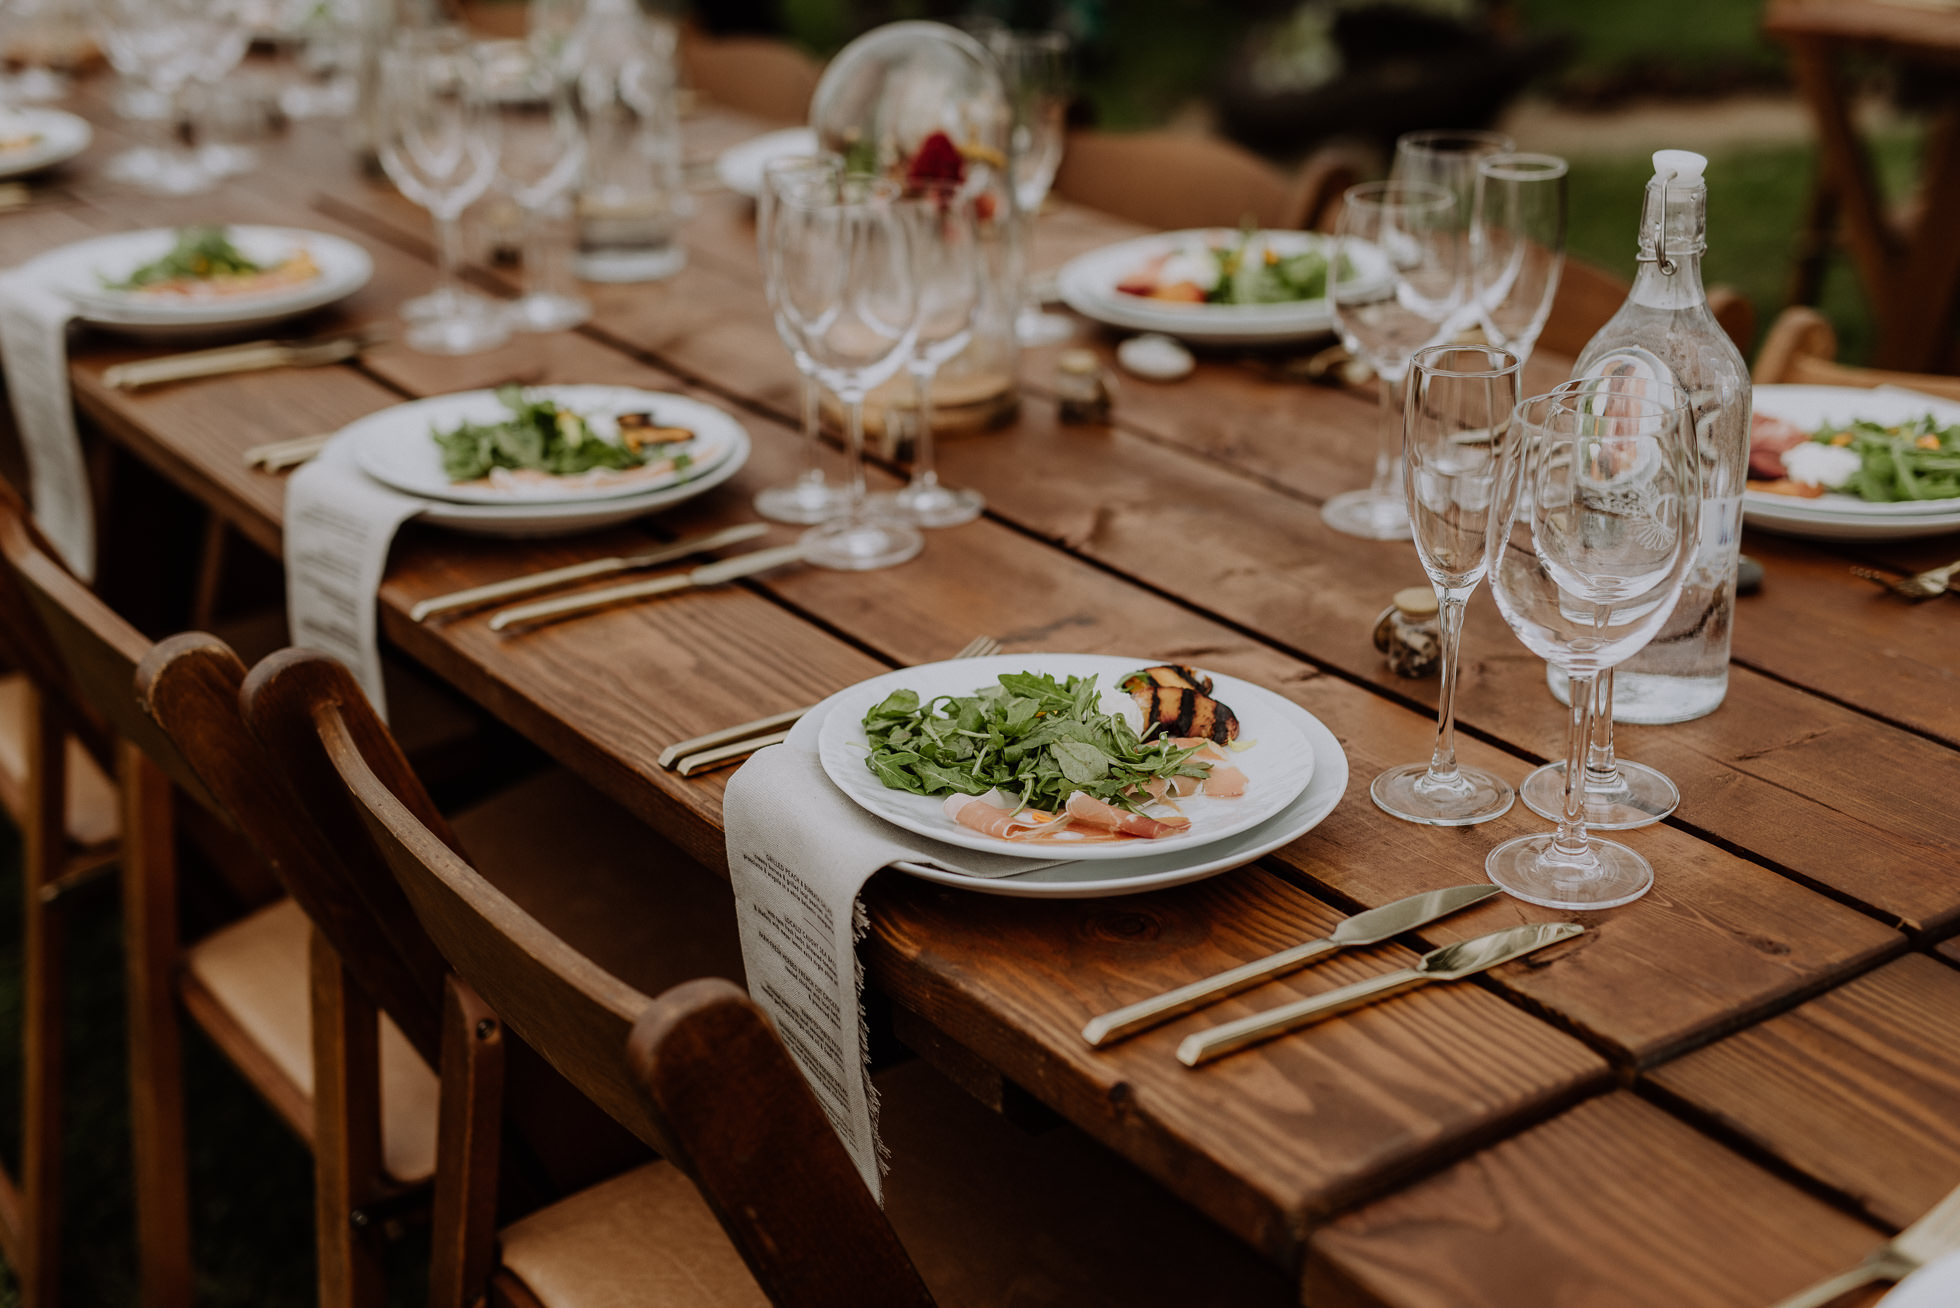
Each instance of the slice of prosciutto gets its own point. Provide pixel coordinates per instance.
(1093, 812)
(1003, 824)
(1769, 439)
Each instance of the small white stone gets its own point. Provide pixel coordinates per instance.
(1157, 357)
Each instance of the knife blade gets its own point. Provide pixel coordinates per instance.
(708, 574)
(1369, 928)
(1450, 963)
(536, 581)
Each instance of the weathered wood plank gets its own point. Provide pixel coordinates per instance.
(1949, 950)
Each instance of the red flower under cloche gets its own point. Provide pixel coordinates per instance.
(938, 160)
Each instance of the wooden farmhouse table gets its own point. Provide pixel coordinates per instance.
(1717, 1095)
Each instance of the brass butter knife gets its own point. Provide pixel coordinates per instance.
(708, 574)
(1450, 963)
(1369, 928)
(1935, 1234)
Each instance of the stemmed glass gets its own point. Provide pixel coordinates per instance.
(1412, 230)
(162, 43)
(1593, 532)
(844, 285)
(1517, 246)
(948, 264)
(1460, 401)
(540, 156)
(1619, 794)
(226, 35)
(1450, 158)
(1034, 66)
(810, 498)
(437, 138)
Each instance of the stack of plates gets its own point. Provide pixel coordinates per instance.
(1842, 517)
(739, 167)
(57, 137)
(1295, 768)
(396, 448)
(1089, 281)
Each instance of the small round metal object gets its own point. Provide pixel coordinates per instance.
(1748, 576)
(1158, 358)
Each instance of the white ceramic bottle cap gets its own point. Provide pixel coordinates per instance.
(1686, 165)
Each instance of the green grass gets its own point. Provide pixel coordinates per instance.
(1688, 38)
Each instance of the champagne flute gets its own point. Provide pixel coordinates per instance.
(844, 282)
(437, 138)
(1460, 401)
(1619, 794)
(1034, 66)
(1517, 246)
(948, 264)
(1595, 527)
(1450, 158)
(540, 156)
(1410, 231)
(811, 497)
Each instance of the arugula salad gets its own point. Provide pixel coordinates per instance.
(205, 260)
(1249, 269)
(541, 438)
(1917, 460)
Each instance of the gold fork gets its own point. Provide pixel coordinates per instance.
(1919, 586)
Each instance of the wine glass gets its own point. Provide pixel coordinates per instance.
(1035, 68)
(845, 287)
(1410, 232)
(1449, 158)
(811, 497)
(948, 263)
(540, 154)
(1458, 419)
(1594, 529)
(437, 138)
(326, 38)
(1619, 794)
(160, 42)
(1517, 246)
(223, 147)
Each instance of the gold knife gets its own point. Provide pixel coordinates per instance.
(1450, 963)
(1935, 1234)
(1369, 928)
(708, 574)
(496, 590)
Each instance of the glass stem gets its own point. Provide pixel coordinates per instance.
(1388, 438)
(449, 256)
(1571, 840)
(923, 474)
(1602, 772)
(1451, 602)
(183, 125)
(854, 447)
(539, 277)
(812, 432)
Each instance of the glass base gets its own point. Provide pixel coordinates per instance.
(809, 499)
(1472, 796)
(1033, 326)
(228, 160)
(546, 313)
(859, 544)
(1531, 869)
(1366, 514)
(160, 172)
(460, 333)
(441, 303)
(1643, 797)
(930, 505)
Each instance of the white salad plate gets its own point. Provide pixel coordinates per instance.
(1832, 516)
(413, 463)
(1936, 1285)
(1088, 286)
(84, 270)
(59, 138)
(1144, 871)
(739, 167)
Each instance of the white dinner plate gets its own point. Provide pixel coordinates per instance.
(1936, 1285)
(1278, 762)
(1148, 871)
(1844, 517)
(58, 137)
(81, 272)
(403, 453)
(739, 167)
(1088, 286)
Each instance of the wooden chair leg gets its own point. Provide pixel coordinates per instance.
(464, 1229)
(210, 573)
(156, 1076)
(347, 1167)
(45, 841)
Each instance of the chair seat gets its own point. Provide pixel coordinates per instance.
(992, 1216)
(92, 813)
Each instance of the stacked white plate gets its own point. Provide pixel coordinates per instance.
(739, 167)
(87, 271)
(1844, 517)
(397, 448)
(1088, 286)
(1295, 772)
(56, 138)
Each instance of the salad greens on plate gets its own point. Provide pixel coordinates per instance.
(542, 436)
(1917, 460)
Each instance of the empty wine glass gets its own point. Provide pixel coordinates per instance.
(1409, 231)
(1459, 407)
(1594, 529)
(1517, 246)
(437, 138)
(811, 497)
(162, 43)
(948, 264)
(844, 284)
(541, 148)
(1035, 68)
(326, 37)
(1619, 794)
(1450, 158)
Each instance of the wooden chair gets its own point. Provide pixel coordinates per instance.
(752, 74)
(1588, 295)
(1172, 180)
(1801, 347)
(713, 1090)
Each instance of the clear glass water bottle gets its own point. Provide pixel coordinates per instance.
(1666, 330)
(632, 201)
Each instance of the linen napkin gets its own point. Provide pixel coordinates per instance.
(34, 352)
(339, 525)
(799, 853)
